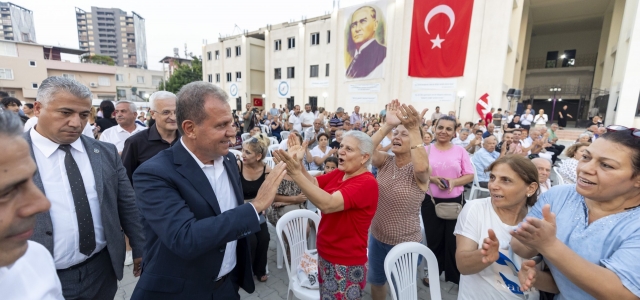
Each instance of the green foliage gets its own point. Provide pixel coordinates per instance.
(99, 59)
(182, 75)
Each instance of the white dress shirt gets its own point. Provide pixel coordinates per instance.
(526, 119)
(541, 120)
(307, 118)
(219, 180)
(32, 276)
(117, 135)
(296, 122)
(50, 161)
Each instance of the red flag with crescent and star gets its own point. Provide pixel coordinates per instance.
(439, 37)
(483, 106)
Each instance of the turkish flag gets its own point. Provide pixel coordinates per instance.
(439, 37)
(483, 106)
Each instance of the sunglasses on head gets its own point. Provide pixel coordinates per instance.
(633, 131)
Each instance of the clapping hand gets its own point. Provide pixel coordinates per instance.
(490, 248)
(527, 275)
(293, 164)
(393, 117)
(409, 116)
(536, 233)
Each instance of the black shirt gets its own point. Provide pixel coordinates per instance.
(105, 123)
(142, 146)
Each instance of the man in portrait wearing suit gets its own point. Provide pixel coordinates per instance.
(193, 213)
(92, 202)
(367, 53)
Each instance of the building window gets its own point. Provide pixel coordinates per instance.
(8, 49)
(278, 45)
(140, 79)
(315, 38)
(104, 81)
(156, 80)
(210, 77)
(32, 63)
(229, 77)
(70, 76)
(238, 51)
(6, 74)
(217, 54)
(569, 58)
(228, 52)
(238, 76)
(122, 93)
(291, 72)
(291, 42)
(328, 36)
(209, 55)
(119, 78)
(314, 71)
(217, 77)
(34, 85)
(277, 73)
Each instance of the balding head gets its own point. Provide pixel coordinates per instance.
(544, 168)
(490, 143)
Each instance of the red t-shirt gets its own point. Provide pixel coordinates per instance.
(488, 119)
(342, 236)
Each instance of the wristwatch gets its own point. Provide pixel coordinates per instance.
(416, 146)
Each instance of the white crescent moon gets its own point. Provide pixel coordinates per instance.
(440, 9)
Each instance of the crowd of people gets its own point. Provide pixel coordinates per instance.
(88, 191)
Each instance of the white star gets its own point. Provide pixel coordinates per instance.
(437, 42)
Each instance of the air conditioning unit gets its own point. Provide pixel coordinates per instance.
(93, 84)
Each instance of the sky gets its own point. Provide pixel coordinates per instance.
(171, 24)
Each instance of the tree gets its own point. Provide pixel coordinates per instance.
(99, 59)
(182, 75)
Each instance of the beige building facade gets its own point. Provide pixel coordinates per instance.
(144, 82)
(557, 52)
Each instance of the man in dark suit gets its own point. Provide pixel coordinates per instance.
(193, 213)
(92, 201)
(367, 53)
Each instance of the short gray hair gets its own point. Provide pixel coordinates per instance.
(339, 110)
(589, 134)
(190, 101)
(132, 106)
(55, 84)
(464, 130)
(10, 124)
(159, 95)
(364, 143)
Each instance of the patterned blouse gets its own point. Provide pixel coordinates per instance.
(568, 170)
(286, 188)
(397, 218)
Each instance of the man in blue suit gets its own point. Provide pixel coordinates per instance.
(193, 213)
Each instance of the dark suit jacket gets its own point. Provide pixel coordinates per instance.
(117, 203)
(367, 61)
(186, 232)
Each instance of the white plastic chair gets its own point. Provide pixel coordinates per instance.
(271, 149)
(279, 252)
(475, 188)
(245, 136)
(236, 153)
(559, 179)
(269, 161)
(294, 225)
(274, 140)
(401, 269)
(315, 173)
(284, 135)
(265, 129)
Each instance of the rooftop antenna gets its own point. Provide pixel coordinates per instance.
(186, 54)
(176, 52)
(240, 31)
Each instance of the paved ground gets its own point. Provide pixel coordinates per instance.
(276, 286)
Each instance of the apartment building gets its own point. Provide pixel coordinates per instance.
(136, 84)
(17, 23)
(572, 51)
(237, 65)
(114, 33)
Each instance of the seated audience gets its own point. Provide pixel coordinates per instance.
(316, 156)
(427, 138)
(544, 170)
(568, 167)
(330, 164)
(588, 234)
(463, 139)
(483, 235)
(483, 158)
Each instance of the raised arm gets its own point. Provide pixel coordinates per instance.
(410, 119)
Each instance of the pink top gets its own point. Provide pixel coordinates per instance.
(452, 163)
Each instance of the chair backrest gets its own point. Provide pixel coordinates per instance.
(475, 175)
(315, 173)
(271, 149)
(559, 179)
(269, 161)
(294, 225)
(265, 129)
(236, 153)
(245, 136)
(274, 140)
(284, 135)
(401, 269)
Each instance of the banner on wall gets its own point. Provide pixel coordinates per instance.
(483, 105)
(283, 89)
(365, 36)
(439, 37)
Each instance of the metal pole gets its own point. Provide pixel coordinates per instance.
(459, 106)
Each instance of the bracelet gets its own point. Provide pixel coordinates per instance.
(416, 146)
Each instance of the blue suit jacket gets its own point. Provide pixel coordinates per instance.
(186, 234)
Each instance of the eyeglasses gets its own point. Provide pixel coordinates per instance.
(634, 132)
(166, 113)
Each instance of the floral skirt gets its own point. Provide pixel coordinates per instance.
(338, 282)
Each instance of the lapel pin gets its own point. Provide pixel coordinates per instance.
(227, 158)
(96, 151)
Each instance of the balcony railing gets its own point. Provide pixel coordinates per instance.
(586, 90)
(587, 60)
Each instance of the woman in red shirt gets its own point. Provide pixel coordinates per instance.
(348, 198)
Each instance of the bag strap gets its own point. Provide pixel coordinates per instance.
(429, 185)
